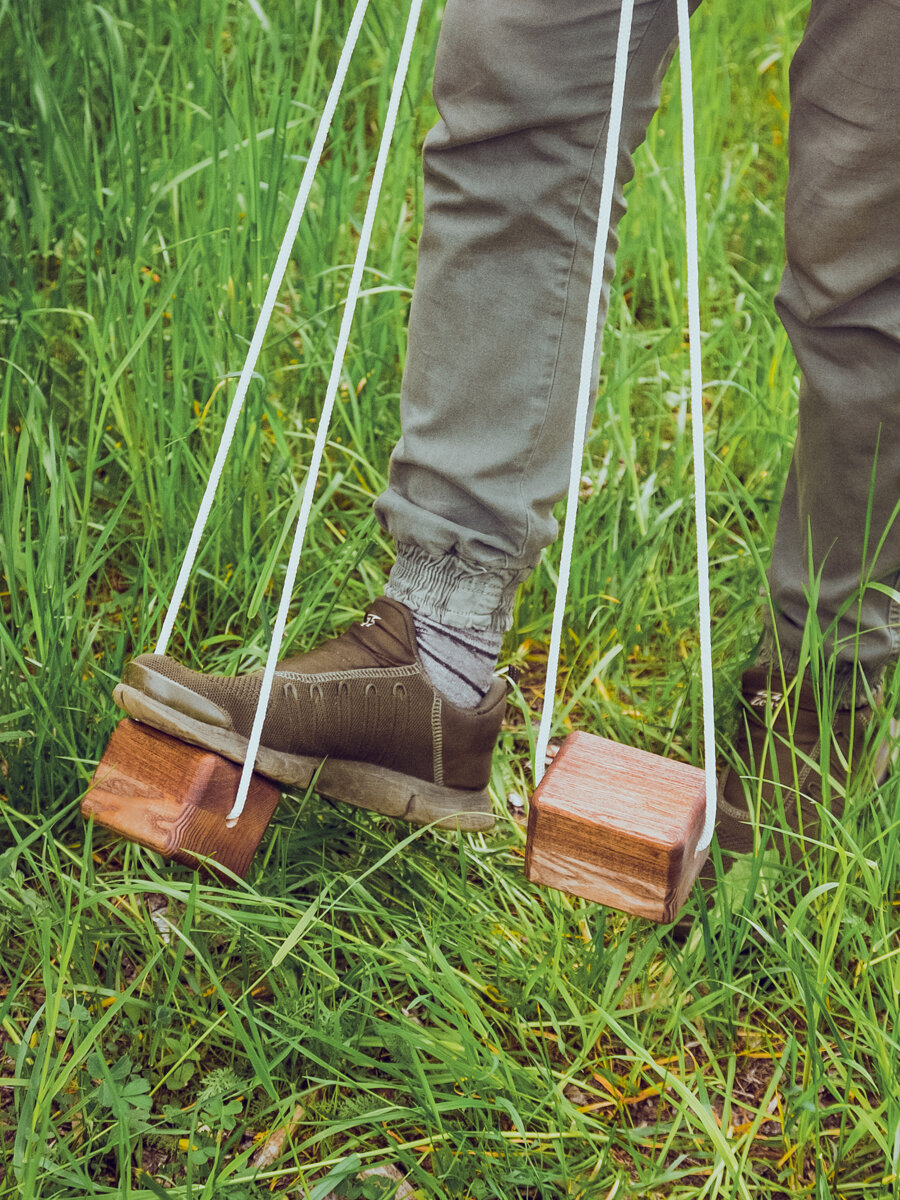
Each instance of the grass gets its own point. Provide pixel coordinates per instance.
(375, 995)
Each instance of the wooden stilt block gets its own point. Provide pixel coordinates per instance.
(617, 825)
(173, 797)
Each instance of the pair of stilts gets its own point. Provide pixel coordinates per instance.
(613, 824)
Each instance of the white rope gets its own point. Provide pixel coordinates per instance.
(327, 409)
(262, 323)
(588, 357)
(693, 299)
(589, 353)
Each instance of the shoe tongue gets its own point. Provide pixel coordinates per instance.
(386, 632)
(384, 638)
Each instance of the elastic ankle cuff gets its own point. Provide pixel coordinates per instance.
(454, 592)
(853, 686)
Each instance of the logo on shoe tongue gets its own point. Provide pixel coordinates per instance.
(370, 620)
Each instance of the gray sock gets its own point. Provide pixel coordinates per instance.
(459, 662)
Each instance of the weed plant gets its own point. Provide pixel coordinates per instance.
(375, 996)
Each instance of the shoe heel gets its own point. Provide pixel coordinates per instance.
(158, 791)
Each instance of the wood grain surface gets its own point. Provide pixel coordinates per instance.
(617, 825)
(153, 789)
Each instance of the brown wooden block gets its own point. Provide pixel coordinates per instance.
(617, 825)
(172, 797)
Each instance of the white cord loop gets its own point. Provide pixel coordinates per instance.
(247, 372)
(693, 301)
(590, 353)
(327, 409)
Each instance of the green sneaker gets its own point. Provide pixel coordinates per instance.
(359, 710)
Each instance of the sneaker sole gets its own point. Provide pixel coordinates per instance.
(364, 785)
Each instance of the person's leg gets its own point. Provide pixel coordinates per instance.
(513, 174)
(840, 304)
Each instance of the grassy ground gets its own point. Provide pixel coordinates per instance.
(375, 996)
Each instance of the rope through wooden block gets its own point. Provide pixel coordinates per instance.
(590, 353)
(312, 475)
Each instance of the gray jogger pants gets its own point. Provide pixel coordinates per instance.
(840, 304)
(513, 174)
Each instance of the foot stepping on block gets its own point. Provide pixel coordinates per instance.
(174, 798)
(617, 825)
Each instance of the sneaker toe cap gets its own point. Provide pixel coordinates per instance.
(144, 674)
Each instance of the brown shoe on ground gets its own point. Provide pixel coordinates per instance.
(788, 788)
(359, 710)
(796, 758)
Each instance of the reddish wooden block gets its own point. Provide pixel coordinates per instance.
(617, 825)
(173, 797)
